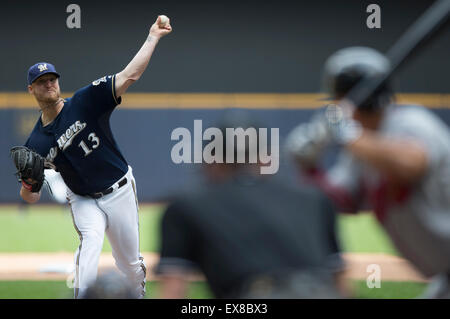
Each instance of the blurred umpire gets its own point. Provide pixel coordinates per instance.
(250, 235)
(395, 157)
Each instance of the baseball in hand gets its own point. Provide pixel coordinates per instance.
(164, 20)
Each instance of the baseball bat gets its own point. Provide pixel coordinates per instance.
(423, 30)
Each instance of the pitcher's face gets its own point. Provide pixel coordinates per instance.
(45, 88)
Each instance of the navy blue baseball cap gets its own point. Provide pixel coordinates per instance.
(40, 69)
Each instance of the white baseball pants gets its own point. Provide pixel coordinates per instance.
(115, 214)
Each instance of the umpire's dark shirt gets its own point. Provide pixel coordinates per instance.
(246, 227)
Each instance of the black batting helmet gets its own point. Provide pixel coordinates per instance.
(344, 68)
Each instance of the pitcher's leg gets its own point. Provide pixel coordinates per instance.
(123, 234)
(90, 223)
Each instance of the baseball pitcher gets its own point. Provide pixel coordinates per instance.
(74, 137)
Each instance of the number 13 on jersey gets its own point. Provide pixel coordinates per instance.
(95, 143)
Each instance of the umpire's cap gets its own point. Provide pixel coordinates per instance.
(39, 69)
(344, 68)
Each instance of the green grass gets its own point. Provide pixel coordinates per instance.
(388, 290)
(50, 229)
(34, 290)
(59, 290)
(362, 234)
(196, 290)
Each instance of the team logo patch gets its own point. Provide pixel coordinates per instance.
(42, 67)
(97, 82)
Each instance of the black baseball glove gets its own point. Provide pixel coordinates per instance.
(30, 167)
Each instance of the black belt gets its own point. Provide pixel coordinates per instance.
(108, 190)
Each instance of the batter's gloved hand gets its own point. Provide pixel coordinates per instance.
(307, 141)
(30, 168)
(340, 123)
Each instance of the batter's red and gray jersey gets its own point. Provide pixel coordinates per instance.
(417, 218)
